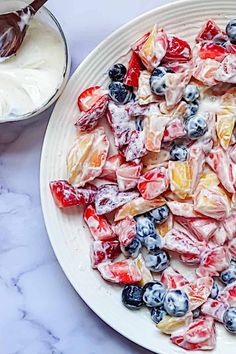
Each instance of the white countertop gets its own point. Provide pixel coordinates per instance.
(40, 313)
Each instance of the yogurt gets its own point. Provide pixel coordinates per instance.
(29, 79)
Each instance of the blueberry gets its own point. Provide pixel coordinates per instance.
(117, 72)
(119, 92)
(231, 31)
(154, 294)
(133, 248)
(191, 93)
(196, 127)
(228, 275)
(214, 291)
(196, 312)
(152, 242)
(144, 227)
(191, 110)
(132, 297)
(176, 303)
(157, 80)
(158, 313)
(160, 214)
(178, 153)
(229, 319)
(157, 261)
(139, 124)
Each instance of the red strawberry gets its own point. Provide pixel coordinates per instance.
(133, 71)
(88, 120)
(125, 230)
(140, 42)
(212, 50)
(66, 195)
(126, 271)
(178, 50)
(154, 182)
(102, 251)
(112, 164)
(209, 31)
(88, 97)
(128, 175)
(98, 225)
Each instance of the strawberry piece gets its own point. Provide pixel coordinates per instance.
(199, 335)
(232, 248)
(212, 51)
(172, 279)
(153, 183)
(108, 198)
(88, 97)
(230, 48)
(209, 31)
(183, 209)
(88, 120)
(140, 42)
(228, 294)
(230, 225)
(136, 147)
(133, 71)
(128, 175)
(178, 50)
(182, 243)
(112, 164)
(198, 291)
(135, 109)
(98, 225)
(121, 124)
(125, 230)
(227, 70)
(202, 228)
(215, 309)
(174, 130)
(213, 262)
(65, 195)
(102, 251)
(126, 272)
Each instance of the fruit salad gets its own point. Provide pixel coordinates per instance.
(168, 190)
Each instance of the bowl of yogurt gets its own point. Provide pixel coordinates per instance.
(34, 78)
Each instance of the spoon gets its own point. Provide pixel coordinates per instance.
(13, 26)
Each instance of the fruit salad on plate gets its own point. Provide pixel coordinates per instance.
(169, 189)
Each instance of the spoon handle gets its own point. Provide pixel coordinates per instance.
(36, 5)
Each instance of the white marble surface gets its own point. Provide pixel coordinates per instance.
(40, 313)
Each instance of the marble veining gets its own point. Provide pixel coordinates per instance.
(40, 313)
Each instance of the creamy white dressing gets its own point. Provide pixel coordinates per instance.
(30, 78)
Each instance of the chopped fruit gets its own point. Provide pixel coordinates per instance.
(108, 198)
(103, 251)
(212, 51)
(146, 274)
(228, 294)
(229, 225)
(140, 42)
(199, 335)
(225, 124)
(136, 147)
(198, 291)
(64, 194)
(111, 165)
(169, 324)
(154, 127)
(227, 70)
(153, 183)
(180, 178)
(126, 272)
(154, 49)
(128, 175)
(178, 50)
(125, 230)
(89, 97)
(208, 32)
(174, 130)
(205, 71)
(166, 226)
(202, 228)
(214, 309)
(183, 209)
(132, 297)
(88, 120)
(144, 93)
(133, 72)
(172, 279)
(213, 262)
(98, 225)
(87, 157)
(117, 72)
(138, 206)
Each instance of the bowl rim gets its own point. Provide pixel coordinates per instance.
(60, 89)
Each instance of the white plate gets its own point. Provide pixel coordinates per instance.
(67, 232)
